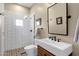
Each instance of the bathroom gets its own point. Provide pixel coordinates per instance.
(25, 25)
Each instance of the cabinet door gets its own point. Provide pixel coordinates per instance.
(43, 52)
(46, 53)
(40, 51)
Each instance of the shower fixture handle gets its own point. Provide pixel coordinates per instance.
(30, 30)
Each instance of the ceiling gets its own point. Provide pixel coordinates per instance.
(29, 5)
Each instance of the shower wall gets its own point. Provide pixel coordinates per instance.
(17, 28)
(1, 27)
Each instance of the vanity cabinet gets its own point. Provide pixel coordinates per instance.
(43, 52)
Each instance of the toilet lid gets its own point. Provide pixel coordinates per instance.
(30, 47)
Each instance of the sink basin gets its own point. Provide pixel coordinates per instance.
(56, 48)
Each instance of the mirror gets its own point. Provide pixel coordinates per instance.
(38, 22)
(57, 19)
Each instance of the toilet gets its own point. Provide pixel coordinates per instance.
(31, 50)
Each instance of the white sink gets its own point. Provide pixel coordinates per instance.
(57, 48)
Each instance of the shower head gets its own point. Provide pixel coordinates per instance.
(25, 17)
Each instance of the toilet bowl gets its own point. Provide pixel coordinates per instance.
(31, 50)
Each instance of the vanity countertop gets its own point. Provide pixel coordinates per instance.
(57, 48)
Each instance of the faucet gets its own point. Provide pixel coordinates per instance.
(50, 38)
(54, 38)
(59, 40)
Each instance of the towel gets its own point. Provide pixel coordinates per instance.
(76, 36)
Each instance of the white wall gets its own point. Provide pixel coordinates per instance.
(74, 12)
(40, 11)
(1, 7)
(16, 8)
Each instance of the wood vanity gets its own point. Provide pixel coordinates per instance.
(43, 52)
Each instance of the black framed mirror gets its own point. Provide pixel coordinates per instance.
(57, 16)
